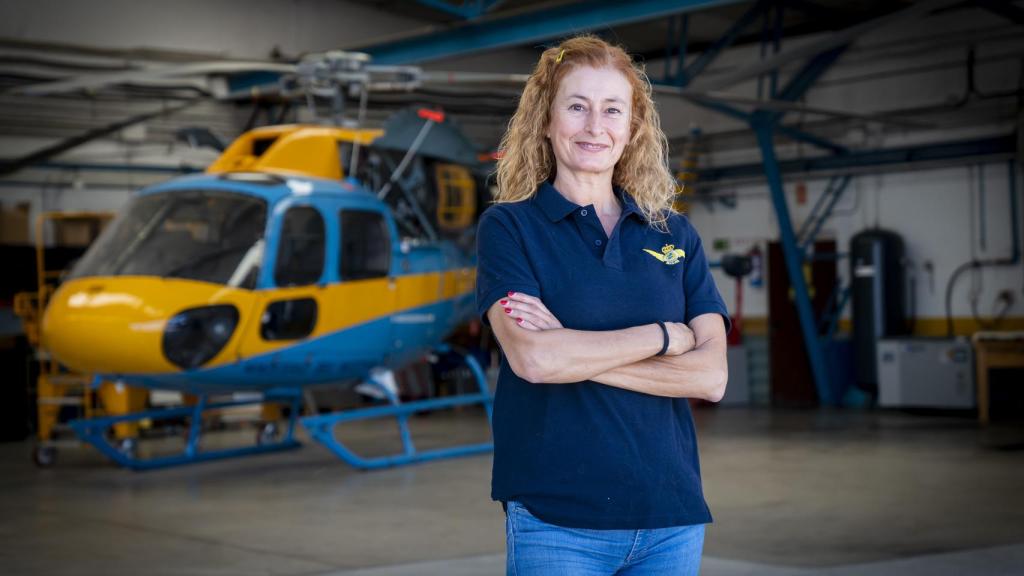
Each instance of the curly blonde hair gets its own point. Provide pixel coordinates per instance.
(527, 157)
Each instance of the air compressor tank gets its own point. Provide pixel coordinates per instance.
(877, 281)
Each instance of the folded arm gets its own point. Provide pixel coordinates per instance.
(695, 365)
(560, 355)
(700, 373)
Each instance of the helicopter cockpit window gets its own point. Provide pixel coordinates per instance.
(300, 252)
(288, 319)
(210, 236)
(365, 245)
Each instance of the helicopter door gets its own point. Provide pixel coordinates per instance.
(294, 309)
(367, 293)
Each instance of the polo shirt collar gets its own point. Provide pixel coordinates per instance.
(556, 206)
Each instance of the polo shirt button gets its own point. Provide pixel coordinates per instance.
(583, 212)
(597, 242)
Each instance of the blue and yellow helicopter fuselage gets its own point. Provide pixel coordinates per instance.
(269, 273)
(283, 308)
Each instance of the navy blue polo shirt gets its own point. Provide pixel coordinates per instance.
(585, 454)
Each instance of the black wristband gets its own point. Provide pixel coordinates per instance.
(664, 333)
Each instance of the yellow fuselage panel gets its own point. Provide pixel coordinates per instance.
(296, 149)
(116, 324)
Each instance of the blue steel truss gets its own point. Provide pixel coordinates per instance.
(708, 56)
(765, 131)
(788, 131)
(995, 148)
(821, 211)
(766, 123)
(530, 27)
(468, 9)
(807, 76)
(678, 31)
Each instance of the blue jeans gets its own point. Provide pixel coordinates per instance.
(535, 547)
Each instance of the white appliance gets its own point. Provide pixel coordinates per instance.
(925, 373)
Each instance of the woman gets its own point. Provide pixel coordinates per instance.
(601, 299)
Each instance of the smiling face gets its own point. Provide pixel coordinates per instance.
(590, 118)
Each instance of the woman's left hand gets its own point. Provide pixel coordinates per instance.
(529, 312)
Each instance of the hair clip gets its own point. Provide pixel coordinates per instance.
(560, 55)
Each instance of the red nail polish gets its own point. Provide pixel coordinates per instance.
(508, 310)
(511, 293)
(503, 302)
(520, 320)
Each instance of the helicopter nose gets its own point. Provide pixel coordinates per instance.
(117, 325)
(101, 326)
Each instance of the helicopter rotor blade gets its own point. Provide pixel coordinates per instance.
(449, 77)
(98, 81)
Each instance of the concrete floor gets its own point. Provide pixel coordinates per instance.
(812, 492)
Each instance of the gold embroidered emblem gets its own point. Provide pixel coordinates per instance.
(669, 254)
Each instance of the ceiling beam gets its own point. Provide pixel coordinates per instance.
(726, 40)
(829, 42)
(468, 9)
(529, 27)
(935, 154)
(13, 165)
(838, 21)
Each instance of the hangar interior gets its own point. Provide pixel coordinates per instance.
(854, 169)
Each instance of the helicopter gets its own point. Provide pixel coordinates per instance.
(304, 255)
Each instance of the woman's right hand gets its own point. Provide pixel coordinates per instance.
(680, 339)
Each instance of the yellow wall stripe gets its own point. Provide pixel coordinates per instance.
(925, 327)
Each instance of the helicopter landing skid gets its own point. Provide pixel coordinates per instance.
(321, 427)
(94, 431)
